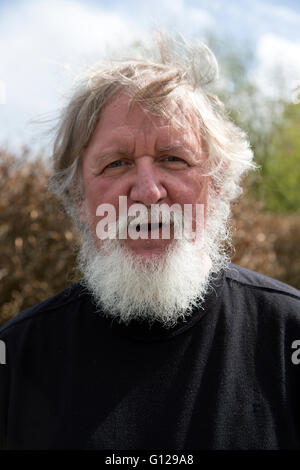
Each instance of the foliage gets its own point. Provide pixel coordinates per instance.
(282, 171)
(272, 123)
(35, 237)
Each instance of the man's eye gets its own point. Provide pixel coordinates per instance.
(115, 164)
(171, 158)
(174, 159)
(117, 167)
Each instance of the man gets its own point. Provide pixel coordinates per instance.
(163, 344)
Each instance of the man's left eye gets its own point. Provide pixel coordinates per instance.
(174, 159)
(115, 164)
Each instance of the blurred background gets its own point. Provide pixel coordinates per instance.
(45, 44)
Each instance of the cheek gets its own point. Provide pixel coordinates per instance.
(204, 190)
(100, 192)
(103, 192)
(193, 190)
(200, 188)
(190, 189)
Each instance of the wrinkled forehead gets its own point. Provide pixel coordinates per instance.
(173, 118)
(128, 125)
(178, 112)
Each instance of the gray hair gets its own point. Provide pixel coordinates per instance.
(172, 71)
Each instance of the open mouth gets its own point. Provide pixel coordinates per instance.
(148, 227)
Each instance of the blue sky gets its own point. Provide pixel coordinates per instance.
(44, 42)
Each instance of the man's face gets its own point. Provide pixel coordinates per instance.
(134, 154)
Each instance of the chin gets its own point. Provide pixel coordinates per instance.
(151, 286)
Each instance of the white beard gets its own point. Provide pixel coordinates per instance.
(163, 289)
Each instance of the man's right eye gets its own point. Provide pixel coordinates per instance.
(115, 164)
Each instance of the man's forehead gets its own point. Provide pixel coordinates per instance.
(122, 108)
(123, 122)
(163, 138)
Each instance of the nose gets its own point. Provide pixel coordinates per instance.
(147, 188)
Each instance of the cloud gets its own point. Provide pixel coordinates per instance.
(39, 42)
(42, 42)
(184, 16)
(284, 14)
(173, 6)
(278, 68)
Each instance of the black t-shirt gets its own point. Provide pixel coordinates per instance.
(224, 379)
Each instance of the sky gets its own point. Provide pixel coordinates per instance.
(45, 43)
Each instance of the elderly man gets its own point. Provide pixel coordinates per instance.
(163, 344)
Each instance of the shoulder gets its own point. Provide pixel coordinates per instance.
(259, 282)
(268, 297)
(57, 304)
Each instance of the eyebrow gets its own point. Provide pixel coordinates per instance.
(184, 148)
